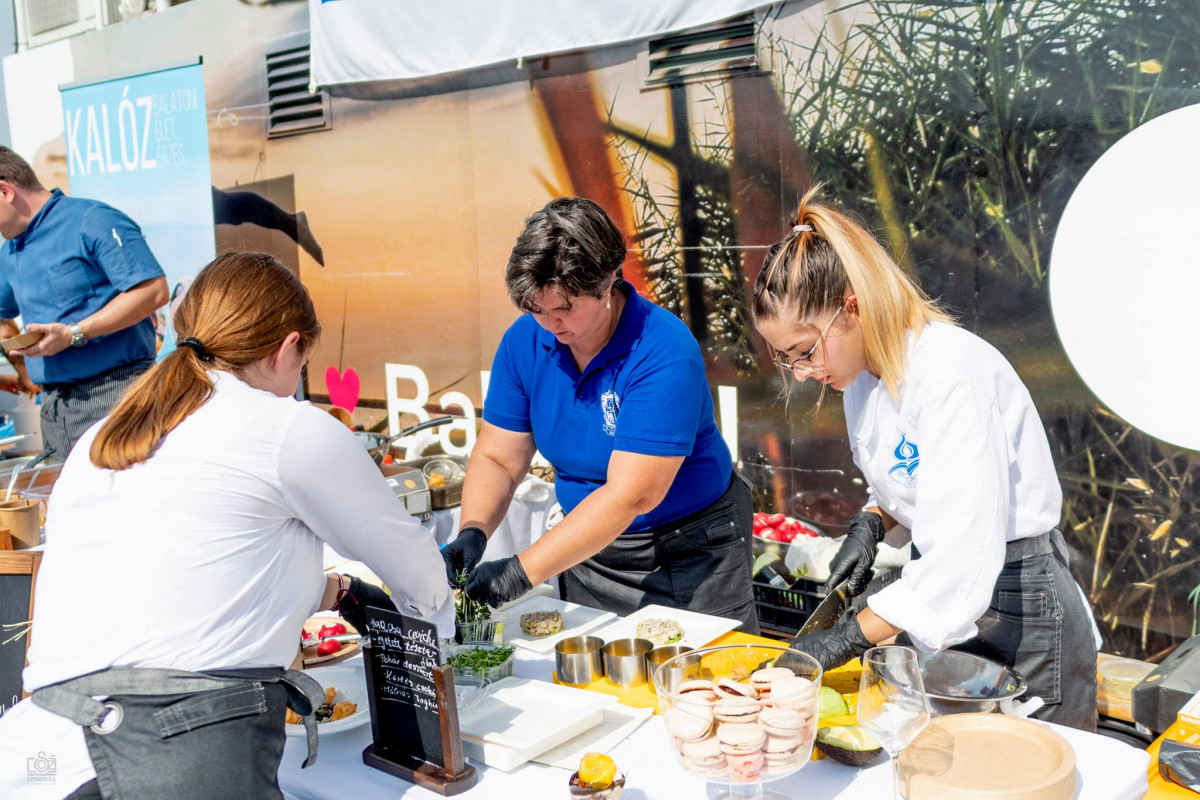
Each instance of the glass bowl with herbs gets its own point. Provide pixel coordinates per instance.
(489, 661)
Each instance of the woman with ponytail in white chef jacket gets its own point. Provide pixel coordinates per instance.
(953, 450)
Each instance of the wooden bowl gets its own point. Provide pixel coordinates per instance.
(21, 341)
(978, 756)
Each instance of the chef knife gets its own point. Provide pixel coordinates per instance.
(828, 612)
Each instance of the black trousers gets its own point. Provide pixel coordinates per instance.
(700, 563)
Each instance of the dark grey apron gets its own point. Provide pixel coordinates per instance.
(700, 563)
(185, 735)
(1038, 624)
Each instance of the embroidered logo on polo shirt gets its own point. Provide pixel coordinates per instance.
(610, 406)
(908, 458)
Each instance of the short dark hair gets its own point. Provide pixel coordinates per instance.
(571, 244)
(17, 171)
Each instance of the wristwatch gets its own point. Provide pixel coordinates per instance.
(77, 337)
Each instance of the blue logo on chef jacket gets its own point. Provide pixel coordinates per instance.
(908, 458)
(610, 405)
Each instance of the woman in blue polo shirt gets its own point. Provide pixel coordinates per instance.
(611, 389)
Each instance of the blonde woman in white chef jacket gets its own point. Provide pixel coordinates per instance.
(183, 554)
(953, 450)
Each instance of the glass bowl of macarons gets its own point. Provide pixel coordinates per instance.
(741, 715)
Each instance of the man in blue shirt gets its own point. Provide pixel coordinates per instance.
(80, 273)
(611, 389)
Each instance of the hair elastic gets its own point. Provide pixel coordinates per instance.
(195, 346)
(800, 228)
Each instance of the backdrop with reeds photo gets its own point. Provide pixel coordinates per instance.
(957, 131)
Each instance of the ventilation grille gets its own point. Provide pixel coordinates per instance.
(292, 108)
(46, 15)
(727, 48)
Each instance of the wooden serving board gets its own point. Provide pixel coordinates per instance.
(977, 756)
(308, 655)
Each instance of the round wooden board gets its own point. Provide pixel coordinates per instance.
(309, 654)
(987, 757)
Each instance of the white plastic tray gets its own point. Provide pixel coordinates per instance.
(521, 718)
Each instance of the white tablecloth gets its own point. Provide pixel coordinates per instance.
(1105, 769)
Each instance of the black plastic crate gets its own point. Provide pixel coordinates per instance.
(786, 610)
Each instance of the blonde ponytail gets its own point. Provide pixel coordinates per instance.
(828, 254)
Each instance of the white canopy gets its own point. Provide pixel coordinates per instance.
(357, 41)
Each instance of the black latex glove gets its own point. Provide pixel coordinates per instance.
(463, 553)
(857, 553)
(835, 646)
(495, 583)
(360, 595)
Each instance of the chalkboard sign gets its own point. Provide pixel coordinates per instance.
(403, 654)
(18, 572)
(414, 720)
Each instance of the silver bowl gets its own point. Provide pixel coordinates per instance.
(960, 683)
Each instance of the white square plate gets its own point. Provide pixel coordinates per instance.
(698, 629)
(577, 619)
(521, 718)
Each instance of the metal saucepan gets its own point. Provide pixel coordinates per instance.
(958, 683)
(378, 444)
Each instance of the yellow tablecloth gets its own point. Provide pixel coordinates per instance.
(844, 679)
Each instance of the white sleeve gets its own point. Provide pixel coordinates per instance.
(960, 520)
(335, 489)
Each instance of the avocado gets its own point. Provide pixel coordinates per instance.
(850, 744)
(832, 703)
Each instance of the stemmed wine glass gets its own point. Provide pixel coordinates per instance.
(892, 702)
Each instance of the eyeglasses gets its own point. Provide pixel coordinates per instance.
(804, 365)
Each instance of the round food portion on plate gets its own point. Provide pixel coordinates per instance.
(542, 623)
(660, 631)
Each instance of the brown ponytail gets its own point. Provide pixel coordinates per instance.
(238, 310)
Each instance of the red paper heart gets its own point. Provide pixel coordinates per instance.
(342, 387)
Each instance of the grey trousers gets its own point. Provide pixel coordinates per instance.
(69, 409)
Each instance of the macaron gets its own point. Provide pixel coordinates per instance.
(782, 722)
(762, 679)
(740, 739)
(731, 688)
(697, 690)
(736, 710)
(690, 722)
(704, 756)
(781, 745)
(778, 762)
(746, 767)
(794, 692)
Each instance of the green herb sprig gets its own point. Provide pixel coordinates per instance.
(479, 660)
(466, 609)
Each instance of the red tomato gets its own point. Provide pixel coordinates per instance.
(336, 629)
(804, 529)
(328, 648)
(775, 520)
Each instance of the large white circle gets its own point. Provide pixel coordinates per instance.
(1125, 278)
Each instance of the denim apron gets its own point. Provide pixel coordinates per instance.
(185, 735)
(1038, 624)
(700, 562)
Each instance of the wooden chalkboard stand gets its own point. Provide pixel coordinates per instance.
(455, 775)
(18, 580)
